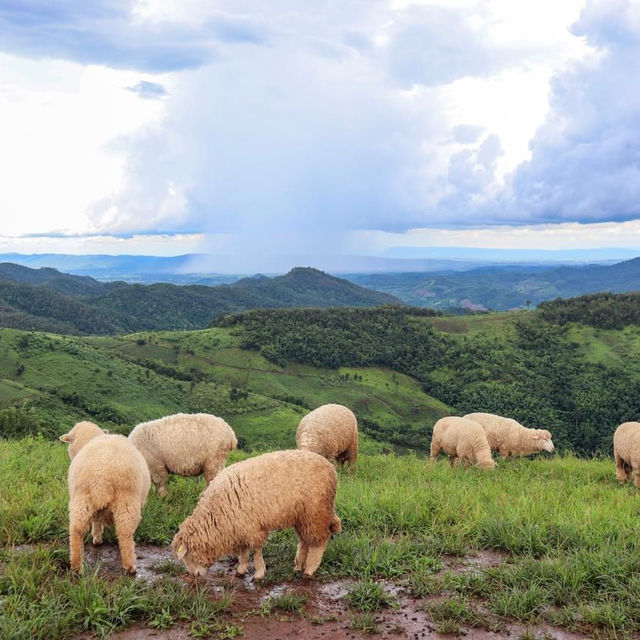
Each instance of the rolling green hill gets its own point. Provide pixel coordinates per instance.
(399, 368)
(45, 299)
(48, 381)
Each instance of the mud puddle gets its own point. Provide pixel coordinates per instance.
(326, 612)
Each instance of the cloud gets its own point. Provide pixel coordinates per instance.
(466, 133)
(432, 45)
(585, 164)
(112, 33)
(148, 90)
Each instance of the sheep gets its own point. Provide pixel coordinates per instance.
(249, 499)
(187, 444)
(108, 483)
(626, 451)
(461, 439)
(331, 431)
(510, 438)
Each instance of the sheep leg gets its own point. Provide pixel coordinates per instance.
(314, 558)
(212, 468)
(160, 477)
(435, 450)
(351, 453)
(258, 563)
(453, 461)
(621, 469)
(301, 556)
(243, 562)
(126, 520)
(636, 476)
(79, 523)
(96, 532)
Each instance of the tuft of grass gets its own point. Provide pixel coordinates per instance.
(169, 567)
(289, 602)
(522, 603)
(368, 595)
(453, 614)
(364, 622)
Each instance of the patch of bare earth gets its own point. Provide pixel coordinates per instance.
(326, 613)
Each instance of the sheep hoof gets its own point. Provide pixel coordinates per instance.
(97, 542)
(241, 573)
(130, 570)
(258, 577)
(297, 568)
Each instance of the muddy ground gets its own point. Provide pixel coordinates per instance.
(327, 615)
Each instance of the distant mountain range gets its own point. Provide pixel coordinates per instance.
(206, 269)
(48, 300)
(504, 287)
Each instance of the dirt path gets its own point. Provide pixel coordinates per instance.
(326, 612)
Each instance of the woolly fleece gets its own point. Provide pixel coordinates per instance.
(187, 444)
(626, 451)
(330, 431)
(251, 498)
(108, 483)
(510, 438)
(461, 439)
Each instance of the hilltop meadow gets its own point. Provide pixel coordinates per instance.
(540, 544)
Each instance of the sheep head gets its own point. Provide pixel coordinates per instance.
(180, 548)
(81, 433)
(542, 440)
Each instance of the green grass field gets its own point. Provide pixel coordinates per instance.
(567, 534)
(121, 381)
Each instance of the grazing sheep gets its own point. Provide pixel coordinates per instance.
(331, 431)
(187, 444)
(510, 438)
(626, 451)
(249, 499)
(461, 439)
(108, 485)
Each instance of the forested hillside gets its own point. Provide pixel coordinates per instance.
(504, 287)
(577, 383)
(399, 368)
(45, 299)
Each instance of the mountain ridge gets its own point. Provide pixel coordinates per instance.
(31, 297)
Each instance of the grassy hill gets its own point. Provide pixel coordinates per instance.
(45, 299)
(120, 381)
(399, 368)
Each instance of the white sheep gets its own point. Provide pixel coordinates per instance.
(249, 499)
(108, 485)
(187, 444)
(462, 440)
(626, 451)
(330, 431)
(510, 438)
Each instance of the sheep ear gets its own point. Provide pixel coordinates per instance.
(66, 437)
(181, 551)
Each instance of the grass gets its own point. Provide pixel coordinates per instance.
(289, 602)
(40, 600)
(121, 381)
(568, 532)
(452, 615)
(369, 595)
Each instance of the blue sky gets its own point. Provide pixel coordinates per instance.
(361, 126)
